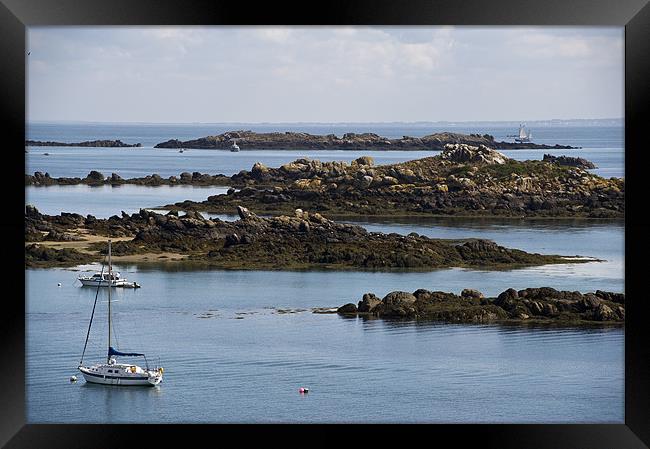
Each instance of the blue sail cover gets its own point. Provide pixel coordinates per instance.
(112, 351)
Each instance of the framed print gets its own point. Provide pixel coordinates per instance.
(426, 217)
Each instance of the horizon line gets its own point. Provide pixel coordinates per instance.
(416, 122)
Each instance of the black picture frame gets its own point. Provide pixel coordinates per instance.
(15, 15)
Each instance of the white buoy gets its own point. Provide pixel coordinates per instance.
(73, 378)
(59, 284)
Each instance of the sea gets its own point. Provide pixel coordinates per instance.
(236, 345)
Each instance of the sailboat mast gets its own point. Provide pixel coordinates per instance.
(110, 277)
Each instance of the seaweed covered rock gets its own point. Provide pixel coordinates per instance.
(368, 302)
(40, 256)
(537, 305)
(397, 304)
(95, 177)
(347, 309)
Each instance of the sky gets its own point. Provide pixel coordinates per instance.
(330, 74)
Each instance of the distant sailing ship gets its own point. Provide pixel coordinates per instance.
(524, 136)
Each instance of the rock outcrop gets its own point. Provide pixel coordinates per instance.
(303, 240)
(95, 177)
(464, 154)
(569, 161)
(531, 305)
(39, 256)
(462, 181)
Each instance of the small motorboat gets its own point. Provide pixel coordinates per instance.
(234, 148)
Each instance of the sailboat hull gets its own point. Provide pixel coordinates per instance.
(94, 283)
(135, 380)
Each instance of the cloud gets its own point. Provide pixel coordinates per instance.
(275, 35)
(567, 45)
(321, 73)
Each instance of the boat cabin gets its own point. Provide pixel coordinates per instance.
(118, 369)
(97, 276)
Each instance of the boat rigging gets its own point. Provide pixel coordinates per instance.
(112, 372)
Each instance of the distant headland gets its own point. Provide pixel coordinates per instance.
(350, 141)
(88, 143)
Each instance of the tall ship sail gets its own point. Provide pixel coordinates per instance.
(524, 136)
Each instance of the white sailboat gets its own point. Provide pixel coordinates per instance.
(112, 372)
(105, 279)
(234, 148)
(524, 136)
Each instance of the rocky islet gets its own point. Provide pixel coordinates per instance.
(88, 143)
(530, 305)
(302, 241)
(288, 140)
(461, 181)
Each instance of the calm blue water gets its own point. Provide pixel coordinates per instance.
(229, 352)
(602, 145)
(104, 201)
(246, 361)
